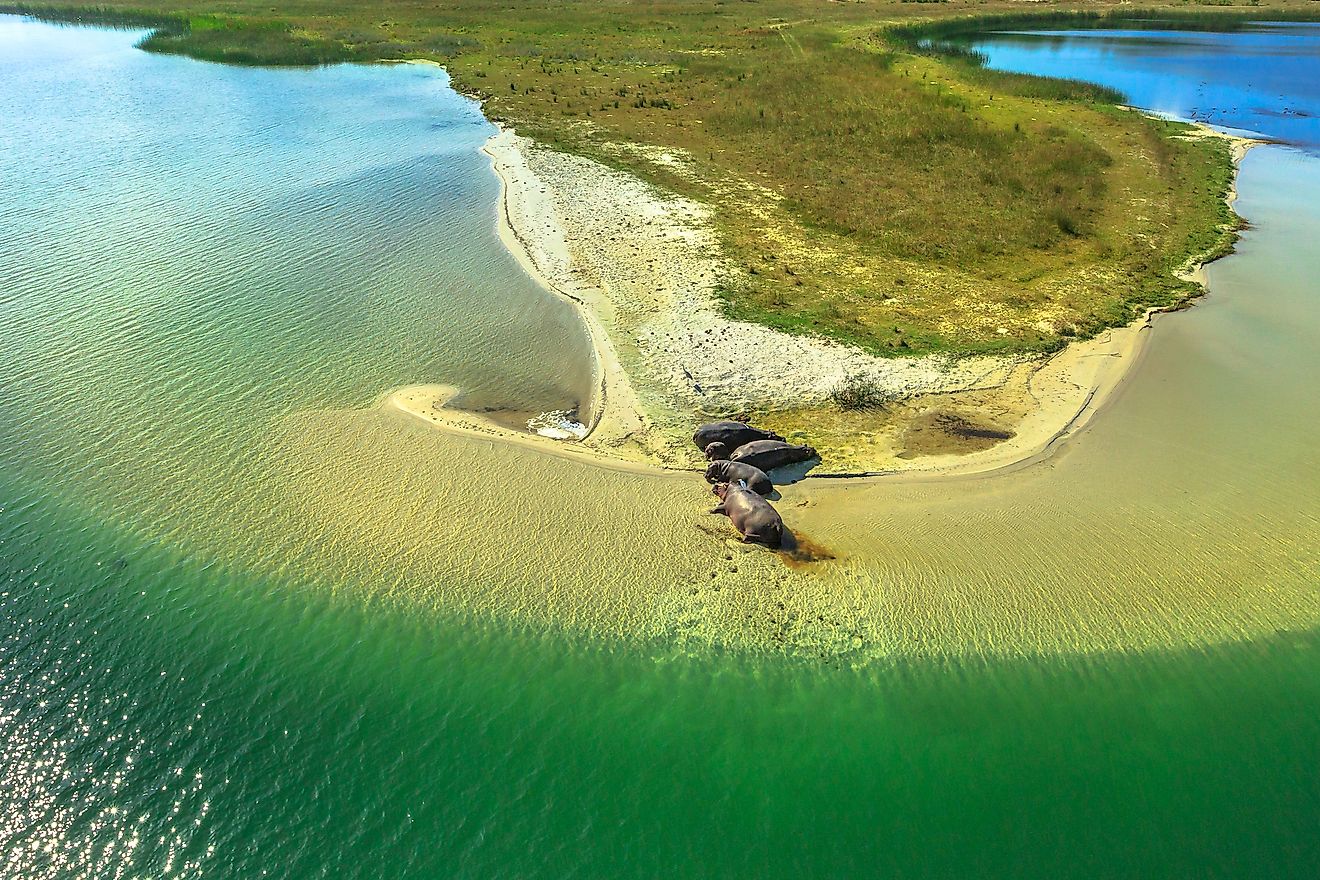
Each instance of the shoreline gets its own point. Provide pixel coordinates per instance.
(614, 412)
(1066, 389)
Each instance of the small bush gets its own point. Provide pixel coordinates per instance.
(1066, 222)
(450, 44)
(862, 392)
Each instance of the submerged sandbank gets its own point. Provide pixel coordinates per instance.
(251, 452)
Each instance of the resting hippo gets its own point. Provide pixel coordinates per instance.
(770, 454)
(717, 452)
(733, 471)
(731, 434)
(750, 514)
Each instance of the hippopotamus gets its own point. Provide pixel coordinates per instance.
(750, 514)
(717, 451)
(770, 454)
(731, 434)
(735, 471)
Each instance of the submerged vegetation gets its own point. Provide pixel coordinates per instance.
(871, 180)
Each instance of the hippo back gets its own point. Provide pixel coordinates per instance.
(735, 471)
(754, 518)
(770, 454)
(732, 434)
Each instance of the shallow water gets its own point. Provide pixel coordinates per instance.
(249, 624)
(193, 250)
(1264, 78)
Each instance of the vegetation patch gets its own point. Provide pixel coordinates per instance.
(862, 392)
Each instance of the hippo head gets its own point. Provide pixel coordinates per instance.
(717, 452)
(720, 489)
(715, 472)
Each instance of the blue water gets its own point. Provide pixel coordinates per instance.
(1264, 79)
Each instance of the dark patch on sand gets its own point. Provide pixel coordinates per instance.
(799, 551)
(943, 432)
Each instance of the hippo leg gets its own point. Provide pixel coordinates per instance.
(774, 542)
(719, 508)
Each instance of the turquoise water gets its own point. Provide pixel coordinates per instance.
(325, 236)
(192, 252)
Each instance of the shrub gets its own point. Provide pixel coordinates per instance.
(862, 392)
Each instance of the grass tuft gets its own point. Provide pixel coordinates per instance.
(862, 392)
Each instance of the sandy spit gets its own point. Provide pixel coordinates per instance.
(643, 268)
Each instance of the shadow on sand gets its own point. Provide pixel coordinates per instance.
(791, 473)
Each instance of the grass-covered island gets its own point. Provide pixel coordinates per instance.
(911, 235)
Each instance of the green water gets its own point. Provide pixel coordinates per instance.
(223, 724)
(194, 256)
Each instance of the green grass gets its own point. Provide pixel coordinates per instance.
(214, 42)
(870, 180)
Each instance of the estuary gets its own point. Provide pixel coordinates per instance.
(252, 623)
